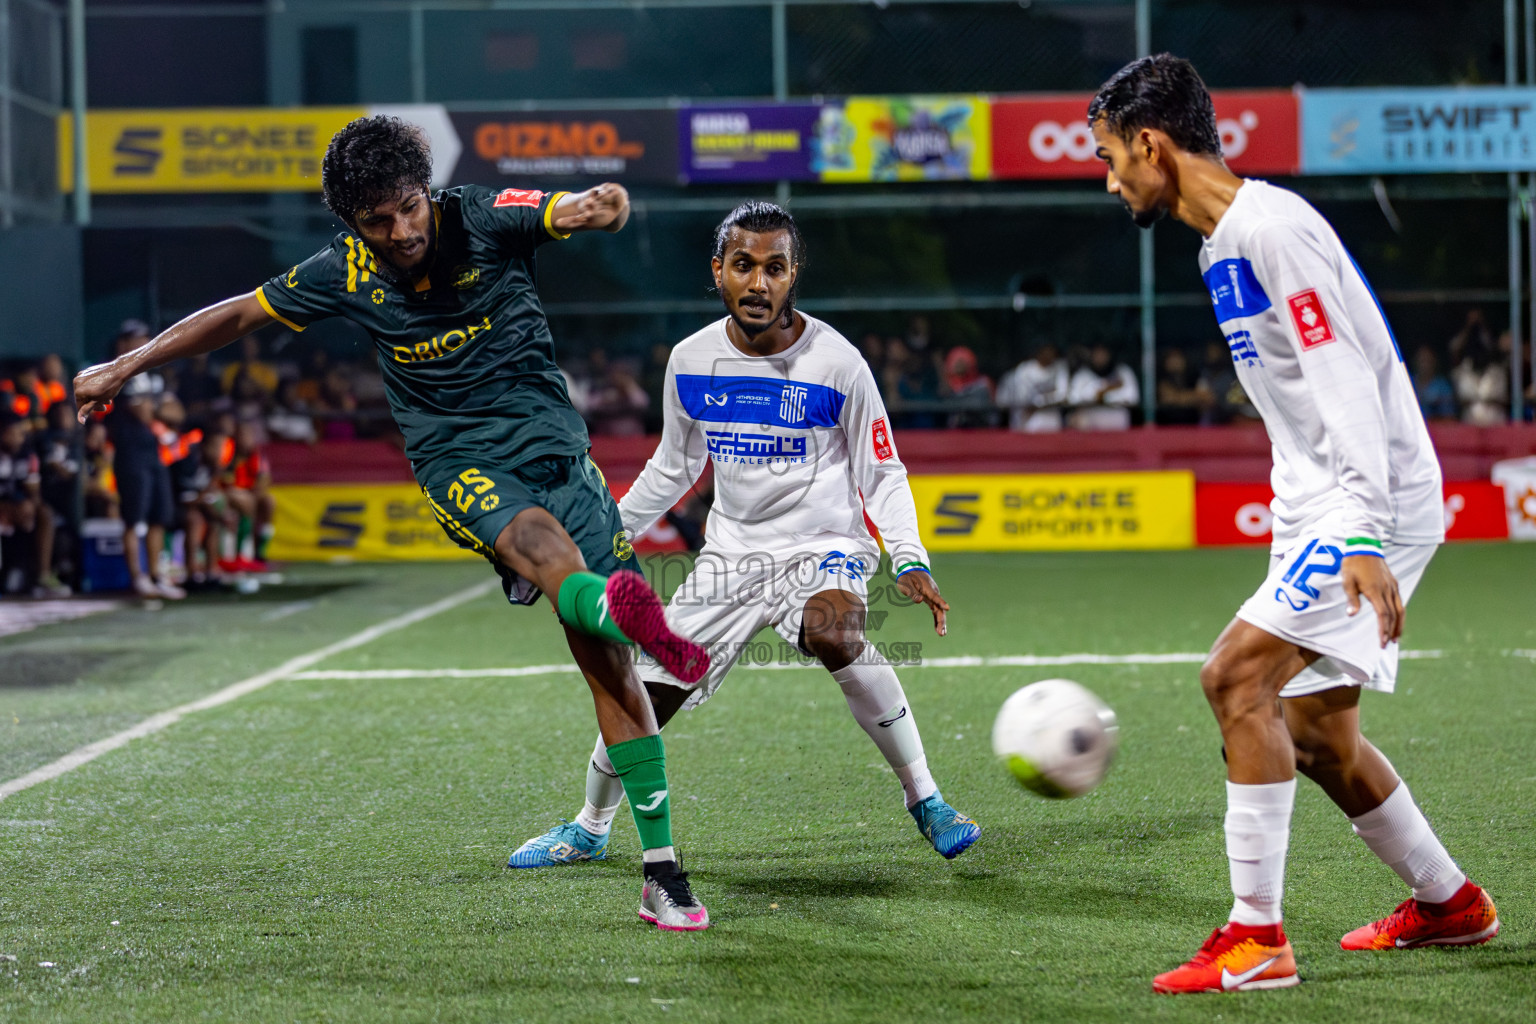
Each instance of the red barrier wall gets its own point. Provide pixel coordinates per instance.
(1216, 454)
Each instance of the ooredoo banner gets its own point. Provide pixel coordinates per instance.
(1228, 514)
(1048, 136)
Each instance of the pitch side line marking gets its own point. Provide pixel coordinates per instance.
(293, 666)
(1012, 660)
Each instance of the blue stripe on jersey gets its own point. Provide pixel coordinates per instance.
(765, 401)
(1235, 290)
(1383, 313)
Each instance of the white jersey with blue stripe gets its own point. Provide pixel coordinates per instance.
(1315, 355)
(795, 440)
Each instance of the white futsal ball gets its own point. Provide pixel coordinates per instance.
(1056, 738)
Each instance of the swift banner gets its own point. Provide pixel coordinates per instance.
(766, 142)
(1048, 136)
(1059, 512)
(913, 138)
(255, 149)
(1386, 131)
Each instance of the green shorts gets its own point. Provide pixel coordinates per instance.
(474, 501)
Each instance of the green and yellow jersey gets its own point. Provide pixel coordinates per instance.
(467, 357)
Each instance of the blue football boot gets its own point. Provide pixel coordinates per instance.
(950, 832)
(566, 843)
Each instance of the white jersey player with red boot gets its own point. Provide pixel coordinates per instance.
(1357, 514)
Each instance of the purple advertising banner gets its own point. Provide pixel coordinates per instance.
(747, 143)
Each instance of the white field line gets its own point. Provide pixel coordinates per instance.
(154, 723)
(1005, 661)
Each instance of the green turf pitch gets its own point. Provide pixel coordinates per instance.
(332, 849)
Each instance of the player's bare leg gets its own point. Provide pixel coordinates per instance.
(1446, 907)
(832, 629)
(536, 547)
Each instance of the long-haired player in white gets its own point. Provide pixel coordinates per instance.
(1357, 514)
(788, 413)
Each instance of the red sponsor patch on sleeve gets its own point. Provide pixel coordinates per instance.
(1310, 318)
(880, 436)
(519, 197)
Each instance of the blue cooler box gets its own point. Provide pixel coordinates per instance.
(103, 567)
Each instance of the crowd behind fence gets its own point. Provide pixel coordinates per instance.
(176, 472)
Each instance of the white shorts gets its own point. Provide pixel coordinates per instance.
(725, 602)
(1302, 600)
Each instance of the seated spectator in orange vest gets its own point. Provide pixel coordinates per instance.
(26, 521)
(246, 487)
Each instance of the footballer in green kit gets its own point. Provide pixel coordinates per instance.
(444, 284)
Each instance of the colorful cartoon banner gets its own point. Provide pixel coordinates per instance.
(1048, 136)
(1057, 512)
(763, 142)
(1418, 131)
(911, 138)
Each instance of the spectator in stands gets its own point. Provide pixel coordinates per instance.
(1437, 398)
(289, 419)
(336, 406)
(1482, 381)
(52, 382)
(247, 487)
(26, 522)
(873, 348)
(1226, 401)
(1034, 392)
(909, 386)
(1180, 401)
(968, 390)
(198, 387)
(25, 394)
(100, 480)
(616, 403)
(262, 376)
(205, 514)
(1103, 392)
(143, 482)
(58, 448)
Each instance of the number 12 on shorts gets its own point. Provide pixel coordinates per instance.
(1315, 560)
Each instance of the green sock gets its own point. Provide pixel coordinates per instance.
(242, 531)
(583, 604)
(642, 767)
(263, 537)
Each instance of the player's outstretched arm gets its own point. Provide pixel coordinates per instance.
(202, 332)
(602, 207)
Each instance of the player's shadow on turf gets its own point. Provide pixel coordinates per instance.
(282, 592)
(27, 670)
(813, 887)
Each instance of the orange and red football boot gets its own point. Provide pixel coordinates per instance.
(1466, 919)
(1236, 958)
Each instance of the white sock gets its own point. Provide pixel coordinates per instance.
(879, 705)
(656, 856)
(1399, 834)
(1258, 832)
(605, 792)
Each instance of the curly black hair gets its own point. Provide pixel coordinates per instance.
(1163, 92)
(372, 160)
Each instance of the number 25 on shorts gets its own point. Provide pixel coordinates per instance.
(470, 485)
